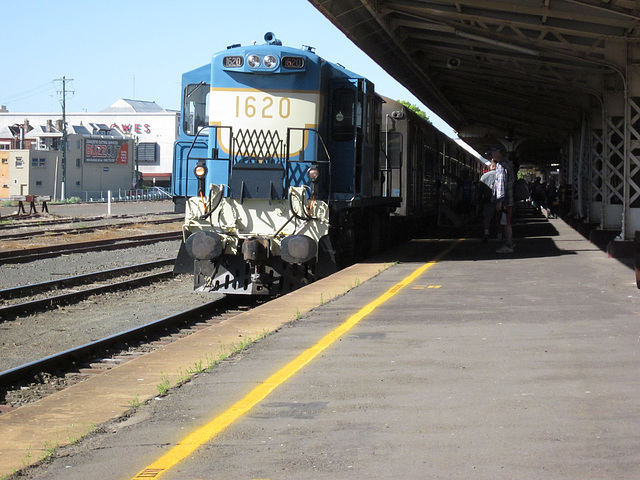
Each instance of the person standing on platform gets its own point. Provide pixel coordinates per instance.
(503, 195)
(488, 201)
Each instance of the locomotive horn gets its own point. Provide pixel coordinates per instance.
(271, 39)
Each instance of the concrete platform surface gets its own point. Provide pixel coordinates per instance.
(484, 366)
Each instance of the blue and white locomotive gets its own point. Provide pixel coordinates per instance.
(279, 170)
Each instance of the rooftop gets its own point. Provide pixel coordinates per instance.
(133, 106)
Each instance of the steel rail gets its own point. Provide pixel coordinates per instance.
(24, 290)
(63, 360)
(26, 255)
(46, 221)
(10, 311)
(81, 230)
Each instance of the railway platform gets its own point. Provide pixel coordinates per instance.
(441, 359)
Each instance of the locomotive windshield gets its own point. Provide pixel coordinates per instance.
(196, 107)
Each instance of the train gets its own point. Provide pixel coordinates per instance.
(289, 167)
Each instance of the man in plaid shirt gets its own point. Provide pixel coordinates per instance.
(503, 195)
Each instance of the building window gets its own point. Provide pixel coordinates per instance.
(38, 183)
(77, 184)
(5, 161)
(38, 162)
(147, 153)
(19, 162)
(77, 163)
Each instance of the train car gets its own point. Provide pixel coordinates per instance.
(279, 170)
(433, 174)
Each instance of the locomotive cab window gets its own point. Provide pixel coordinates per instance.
(196, 107)
(343, 114)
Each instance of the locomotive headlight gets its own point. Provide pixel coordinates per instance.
(200, 171)
(253, 61)
(313, 174)
(270, 61)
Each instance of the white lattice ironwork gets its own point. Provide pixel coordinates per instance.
(614, 180)
(578, 175)
(634, 152)
(597, 166)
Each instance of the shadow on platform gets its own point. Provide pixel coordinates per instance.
(533, 234)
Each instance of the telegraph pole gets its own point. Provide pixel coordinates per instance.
(64, 81)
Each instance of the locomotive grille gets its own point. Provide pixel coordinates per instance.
(258, 147)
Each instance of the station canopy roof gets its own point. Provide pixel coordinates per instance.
(517, 72)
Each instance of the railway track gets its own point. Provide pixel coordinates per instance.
(79, 230)
(30, 254)
(65, 339)
(16, 222)
(72, 365)
(38, 304)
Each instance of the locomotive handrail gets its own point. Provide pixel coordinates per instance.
(205, 144)
(388, 180)
(186, 163)
(181, 143)
(317, 161)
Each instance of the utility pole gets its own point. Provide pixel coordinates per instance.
(64, 81)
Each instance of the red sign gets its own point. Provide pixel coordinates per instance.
(123, 154)
(106, 151)
(136, 128)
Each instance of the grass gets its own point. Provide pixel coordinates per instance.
(49, 449)
(66, 201)
(164, 386)
(203, 365)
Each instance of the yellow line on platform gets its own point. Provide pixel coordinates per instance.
(205, 433)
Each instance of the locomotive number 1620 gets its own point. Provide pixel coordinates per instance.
(263, 107)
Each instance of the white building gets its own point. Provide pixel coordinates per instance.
(153, 128)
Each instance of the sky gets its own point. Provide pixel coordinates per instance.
(139, 49)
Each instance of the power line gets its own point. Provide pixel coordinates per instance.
(32, 92)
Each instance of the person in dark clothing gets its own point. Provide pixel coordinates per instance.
(488, 201)
(503, 193)
(550, 199)
(538, 192)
